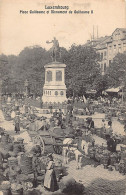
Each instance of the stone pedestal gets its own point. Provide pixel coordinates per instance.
(54, 90)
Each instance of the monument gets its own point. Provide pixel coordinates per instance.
(54, 90)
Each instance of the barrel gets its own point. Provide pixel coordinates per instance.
(4, 138)
(6, 192)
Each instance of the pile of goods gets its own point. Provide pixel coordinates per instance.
(23, 171)
(120, 139)
(110, 160)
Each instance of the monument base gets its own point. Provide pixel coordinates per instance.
(52, 100)
(54, 90)
(54, 94)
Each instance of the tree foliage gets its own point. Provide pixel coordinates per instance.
(82, 68)
(82, 71)
(116, 74)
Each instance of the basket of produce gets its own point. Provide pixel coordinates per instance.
(116, 166)
(121, 166)
(4, 138)
(5, 187)
(104, 159)
(20, 140)
(16, 189)
(113, 159)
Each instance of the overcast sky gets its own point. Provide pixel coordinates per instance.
(20, 30)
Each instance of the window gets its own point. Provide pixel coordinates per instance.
(104, 67)
(105, 53)
(58, 75)
(124, 46)
(101, 67)
(49, 76)
(101, 56)
(61, 93)
(119, 48)
(114, 48)
(56, 93)
(109, 62)
(110, 50)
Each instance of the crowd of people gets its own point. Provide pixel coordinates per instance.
(72, 125)
(68, 121)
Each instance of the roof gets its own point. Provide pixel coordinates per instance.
(55, 65)
(103, 43)
(121, 29)
(95, 42)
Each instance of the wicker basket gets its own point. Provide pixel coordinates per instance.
(17, 192)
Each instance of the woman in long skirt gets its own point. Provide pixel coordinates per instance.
(50, 181)
(17, 124)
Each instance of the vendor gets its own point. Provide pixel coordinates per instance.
(109, 130)
(55, 114)
(111, 144)
(103, 125)
(91, 124)
(110, 122)
(50, 181)
(60, 116)
(17, 123)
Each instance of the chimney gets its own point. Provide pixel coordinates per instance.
(93, 32)
(97, 32)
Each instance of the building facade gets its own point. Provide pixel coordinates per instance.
(109, 46)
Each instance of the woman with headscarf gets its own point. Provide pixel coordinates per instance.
(50, 181)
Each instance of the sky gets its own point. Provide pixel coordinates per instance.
(18, 31)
